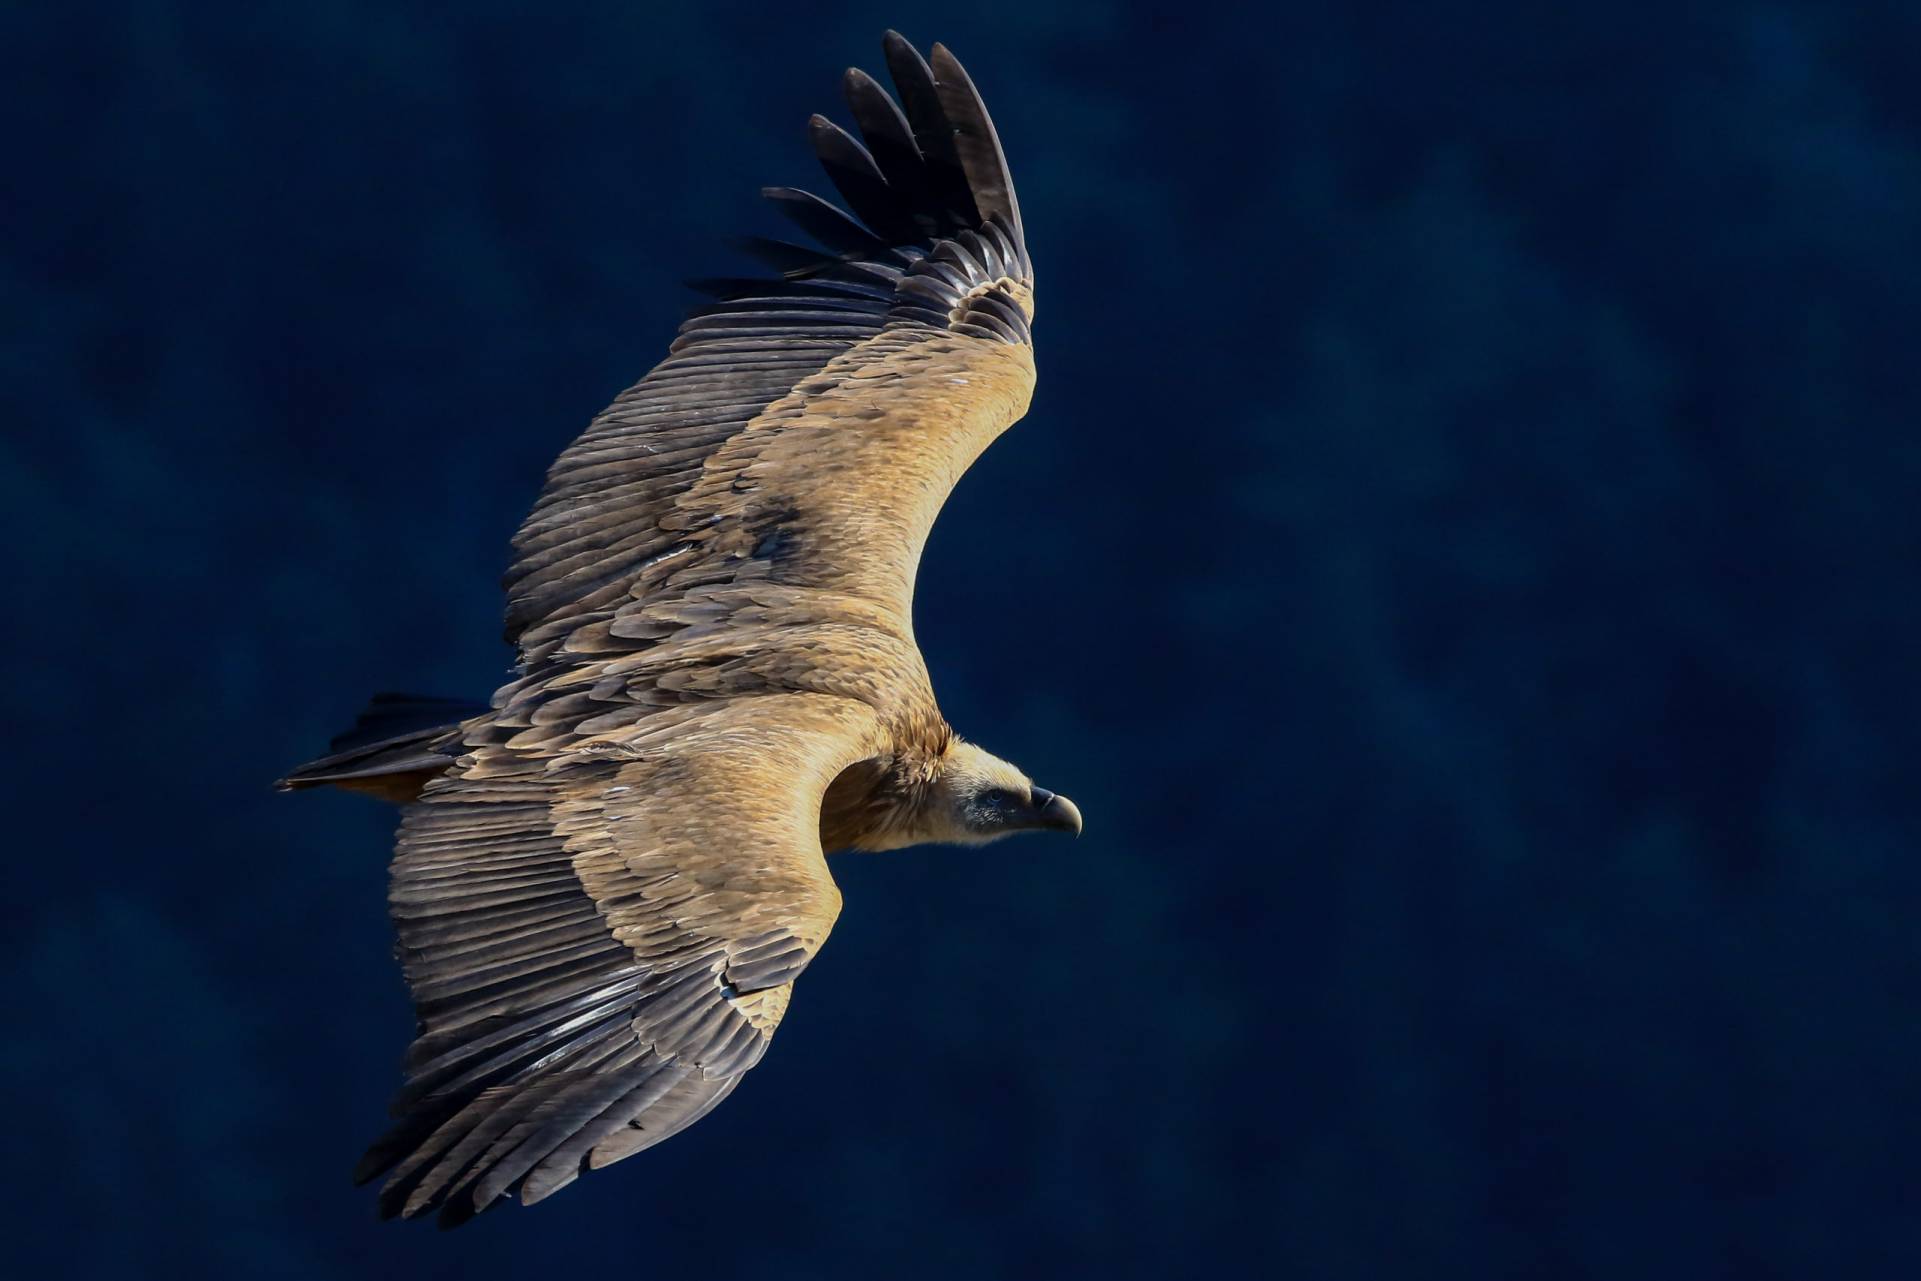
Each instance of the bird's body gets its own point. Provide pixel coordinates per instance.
(607, 880)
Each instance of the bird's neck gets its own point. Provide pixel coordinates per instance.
(887, 803)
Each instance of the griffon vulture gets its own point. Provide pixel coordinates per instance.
(606, 882)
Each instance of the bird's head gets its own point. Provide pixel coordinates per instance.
(977, 797)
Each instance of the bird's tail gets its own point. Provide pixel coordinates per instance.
(398, 744)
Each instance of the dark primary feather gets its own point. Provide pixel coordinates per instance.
(890, 140)
(823, 221)
(978, 145)
(946, 179)
(857, 177)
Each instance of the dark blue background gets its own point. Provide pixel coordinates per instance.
(1461, 557)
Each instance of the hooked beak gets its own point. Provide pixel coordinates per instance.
(1055, 812)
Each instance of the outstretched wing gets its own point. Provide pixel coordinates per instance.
(778, 473)
(600, 946)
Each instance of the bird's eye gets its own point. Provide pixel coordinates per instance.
(995, 796)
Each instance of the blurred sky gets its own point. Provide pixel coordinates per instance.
(1461, 558)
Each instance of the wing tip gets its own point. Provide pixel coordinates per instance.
(977, 139)
(944, 170)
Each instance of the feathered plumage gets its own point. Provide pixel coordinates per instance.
(607, 881)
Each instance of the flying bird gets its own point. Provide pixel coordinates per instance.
(607, 880)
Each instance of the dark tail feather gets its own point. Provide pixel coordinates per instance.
(399, 742)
